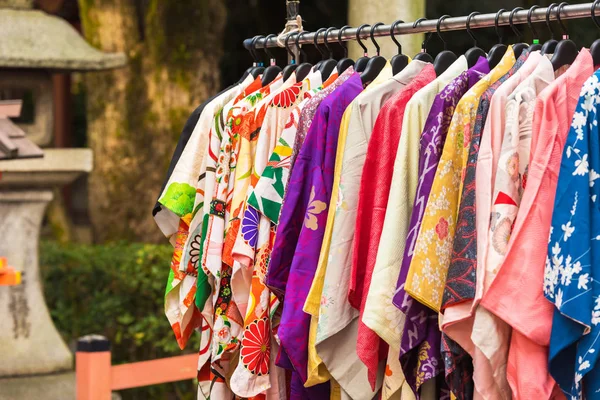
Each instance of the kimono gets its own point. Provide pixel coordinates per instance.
(302, 223)
(427, 274)
(375, 186)
(525, 309)
(572, 265)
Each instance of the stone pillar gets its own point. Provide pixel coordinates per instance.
(29, 342)
(386, 11)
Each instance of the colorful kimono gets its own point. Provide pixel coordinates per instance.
(429, 266)
(460, 281)
(253, 374)
(516, 295)
(487, 383)
(375, 186)
(302, 224)
(573, 264)
(420, 342)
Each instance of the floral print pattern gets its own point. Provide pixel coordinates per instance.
(572, 266)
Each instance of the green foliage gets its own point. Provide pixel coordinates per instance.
(116, 290)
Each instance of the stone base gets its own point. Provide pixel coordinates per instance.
(47, 387)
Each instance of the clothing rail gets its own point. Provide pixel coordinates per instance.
(449, 24)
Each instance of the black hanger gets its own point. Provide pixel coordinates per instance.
(345, 62)
(316, 43)
(291, 67)
(566, 50)
(255, 63)
(444, 59)
(550, 45)
(423, 55)
(595, 47)
(328, 65)
(272, 70)
(472, 55)
(375, 64)
(519, 46)
(303, 69)
(498, 50)
(361, 63)
(535, 42)
(258, 67)
(399, 61)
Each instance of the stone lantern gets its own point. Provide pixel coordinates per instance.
(35, 363)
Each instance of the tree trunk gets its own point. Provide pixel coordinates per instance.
(386, 11)
(135, 114)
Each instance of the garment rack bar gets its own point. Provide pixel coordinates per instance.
(449, 24)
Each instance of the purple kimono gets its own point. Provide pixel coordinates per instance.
(423, 335)
(302, 226)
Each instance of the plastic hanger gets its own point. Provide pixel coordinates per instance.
(535, 42)
(550, 45)
(472, 55)
(595, 47)
(316, 43)
(566, 50)
(291, 67)
(399, 61)
(423, 55)
(519, 46)
(272, 70)
(345, 62)
(328, 65)
(361, 63)
(375, 64)
(444, 59)
(254, 70)
(303, 69)
(498, 50)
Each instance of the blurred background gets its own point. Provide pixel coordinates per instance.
(103, 261)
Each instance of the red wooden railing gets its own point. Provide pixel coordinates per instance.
(96, 378)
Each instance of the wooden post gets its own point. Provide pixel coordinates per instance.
(92, 368)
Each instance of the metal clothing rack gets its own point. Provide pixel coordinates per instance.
(449, 24)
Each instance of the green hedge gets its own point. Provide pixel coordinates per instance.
(116, 290)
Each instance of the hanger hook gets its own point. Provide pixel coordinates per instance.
(329, 51)
(497, 27)
(594, 17)
(438, 30)
(360, 28)
(427, 36)
(315, 42)
(371, 34)
(271, 56)
(530, 24)
(341, 43)
(287, 47)
(548, 12)
(469, 31)
(393, 28)
(301, 52)
(559, 19)
(512, 25)
(254, 52)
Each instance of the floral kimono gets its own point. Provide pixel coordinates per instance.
(420, 344)
(302, 224)
(252, 375)
(573, 265)
(428, 269)
(181, 285)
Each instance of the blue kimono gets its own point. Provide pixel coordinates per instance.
(573, 262)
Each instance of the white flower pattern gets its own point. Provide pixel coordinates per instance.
(570, 279)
